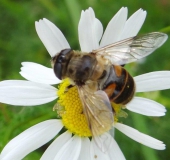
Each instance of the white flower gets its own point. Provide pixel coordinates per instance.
(38, 90)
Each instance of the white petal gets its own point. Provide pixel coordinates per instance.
(70, 150)
(52, 38)
(85, 149)
(140, 137)
(146, 107)
(31, 139)
(26, 93)
(90, 31)
(114, 28)
(96, 153)
(153, 81)
(52, 150)
(38, 73)
(133, 24)
(114, 152)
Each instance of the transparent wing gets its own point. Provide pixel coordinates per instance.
(132, 49)
(98, 112)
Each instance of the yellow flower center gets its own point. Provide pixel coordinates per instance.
(71, 110)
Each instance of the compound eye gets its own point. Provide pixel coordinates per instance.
(61, 59)
(60, 62)
(58, 70)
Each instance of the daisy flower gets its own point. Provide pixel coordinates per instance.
(74, 143)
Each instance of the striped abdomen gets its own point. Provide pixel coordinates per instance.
(118, 85)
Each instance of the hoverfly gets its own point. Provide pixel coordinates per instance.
(100, 77)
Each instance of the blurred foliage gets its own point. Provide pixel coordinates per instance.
(19, 42)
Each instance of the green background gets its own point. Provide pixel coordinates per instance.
(19, 42)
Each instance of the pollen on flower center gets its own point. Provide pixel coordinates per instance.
(118, 111)
(72, 117)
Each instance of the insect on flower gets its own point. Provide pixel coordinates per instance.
(101, 79)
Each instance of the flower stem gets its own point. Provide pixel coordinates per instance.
(165, 30)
